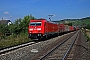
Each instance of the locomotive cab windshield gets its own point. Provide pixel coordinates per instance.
(35, 23)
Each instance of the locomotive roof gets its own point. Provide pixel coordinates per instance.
(38, 20)
(41, 19)
(46, 20)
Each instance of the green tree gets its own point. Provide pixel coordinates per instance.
(20, 25)
(17, 28)
(4, 30)
(25, 22)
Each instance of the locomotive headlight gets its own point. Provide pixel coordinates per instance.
(38, 28)
(30, 29)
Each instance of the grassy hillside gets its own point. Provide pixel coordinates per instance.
(77, 22)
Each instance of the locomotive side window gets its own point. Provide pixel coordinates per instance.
(35, 23)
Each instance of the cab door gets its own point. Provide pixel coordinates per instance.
(45, 28)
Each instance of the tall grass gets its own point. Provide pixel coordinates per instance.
(13, 40)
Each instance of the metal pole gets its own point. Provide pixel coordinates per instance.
(50, 17)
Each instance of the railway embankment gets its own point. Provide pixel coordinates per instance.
(86, 35)
(14, 40)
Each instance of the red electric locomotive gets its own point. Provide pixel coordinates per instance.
(41, 28)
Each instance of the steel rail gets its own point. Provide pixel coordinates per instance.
(15, 47)
(50, 51)
(65, 55)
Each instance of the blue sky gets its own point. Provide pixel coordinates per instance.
(61, 9)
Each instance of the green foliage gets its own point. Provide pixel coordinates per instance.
(87, 26)
(18, 32)
(11, 41)
(4, 29)
(20, 25)
(83, 22)
(70, 24)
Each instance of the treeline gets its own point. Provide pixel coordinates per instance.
(83, 22)
(86, 22)
(19, 26)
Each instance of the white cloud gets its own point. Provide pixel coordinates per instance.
(6, 12)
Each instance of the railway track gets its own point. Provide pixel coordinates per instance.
(3, 51)
(34, 51)
(59, 51)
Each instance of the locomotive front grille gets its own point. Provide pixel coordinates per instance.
(35, 35)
